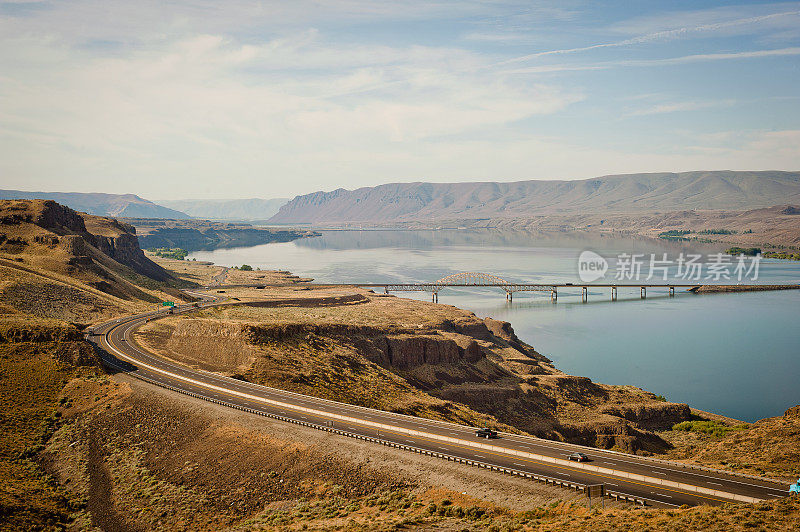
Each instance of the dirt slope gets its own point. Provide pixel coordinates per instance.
(411, 357)
(62, 264)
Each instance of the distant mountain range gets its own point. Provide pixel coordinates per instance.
(631, 193)
(114, 205)
(241, 209)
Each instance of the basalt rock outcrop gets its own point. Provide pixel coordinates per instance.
(652, 416)
(83, 238)
(390, 348)
(195, 235)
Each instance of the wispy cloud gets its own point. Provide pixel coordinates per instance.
(675, 107)
(696, 58)
(285, 97)
(675, 33)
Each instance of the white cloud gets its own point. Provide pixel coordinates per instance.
(674, 107)
(267, 99)
(668, 34)
(696, 58)
(209, 104)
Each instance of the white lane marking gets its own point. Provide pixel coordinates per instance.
(206, 385)
(715, 483)
(517, 463)
(661, 495)
(549, 444)
(480, 456)
(658, 472)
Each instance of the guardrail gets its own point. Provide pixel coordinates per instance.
(619, 496)
(670, 463)
(632, 476)
(601, 471)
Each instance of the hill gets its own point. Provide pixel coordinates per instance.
(194, 235)
(58, 263)
(116, 205)
(631, 193)
(238, 209)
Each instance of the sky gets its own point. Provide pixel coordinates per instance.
(236, 99)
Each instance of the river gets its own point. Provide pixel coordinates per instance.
(734, 354)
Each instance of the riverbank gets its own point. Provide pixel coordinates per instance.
(324, 341)
(195, 235)
(727, 288)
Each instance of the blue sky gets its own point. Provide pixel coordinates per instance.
(203, 99)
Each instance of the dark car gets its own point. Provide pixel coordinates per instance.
(578, 457)
(486, 433)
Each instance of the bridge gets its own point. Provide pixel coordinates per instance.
(477, 279)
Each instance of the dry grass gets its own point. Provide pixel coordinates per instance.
(31, 380)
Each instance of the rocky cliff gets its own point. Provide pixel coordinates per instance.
(197, 235)
(458, 368)
(101, 252)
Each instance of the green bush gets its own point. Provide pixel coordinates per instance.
(750, 252)
(716, 232)
(246, 268)
(674, 234)
(712, 428)
(169, 253)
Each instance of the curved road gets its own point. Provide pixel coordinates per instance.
(654, 482)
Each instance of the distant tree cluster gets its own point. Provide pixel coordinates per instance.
(169, 253)
(717, 232)
(785, 255)
(246, 268)
(750, 252)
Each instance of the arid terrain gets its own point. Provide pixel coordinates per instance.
(204, 234)
(81, 448)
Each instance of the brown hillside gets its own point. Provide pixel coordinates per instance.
(58, 263)
(410, 357)
(633, 193)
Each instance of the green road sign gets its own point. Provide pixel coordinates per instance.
(167, 303)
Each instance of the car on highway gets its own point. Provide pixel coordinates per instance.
(578, 457)
(794, 489)
(486, 432)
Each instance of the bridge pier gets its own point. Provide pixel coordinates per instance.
(585, 294)
(613, 293)
(643, 293)
(554, 295)
(434, 297)
(509, 296)
(385, 289)
(671, 291)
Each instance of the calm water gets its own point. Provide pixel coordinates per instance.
(734, 354)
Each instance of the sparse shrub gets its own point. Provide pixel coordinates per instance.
(712, 428)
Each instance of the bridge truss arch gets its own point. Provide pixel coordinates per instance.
(473, 279)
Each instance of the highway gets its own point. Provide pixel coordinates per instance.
(648, 481)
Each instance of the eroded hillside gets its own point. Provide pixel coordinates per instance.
(409, 357)
(58, 263)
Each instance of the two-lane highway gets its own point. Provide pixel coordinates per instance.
(656, 482)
